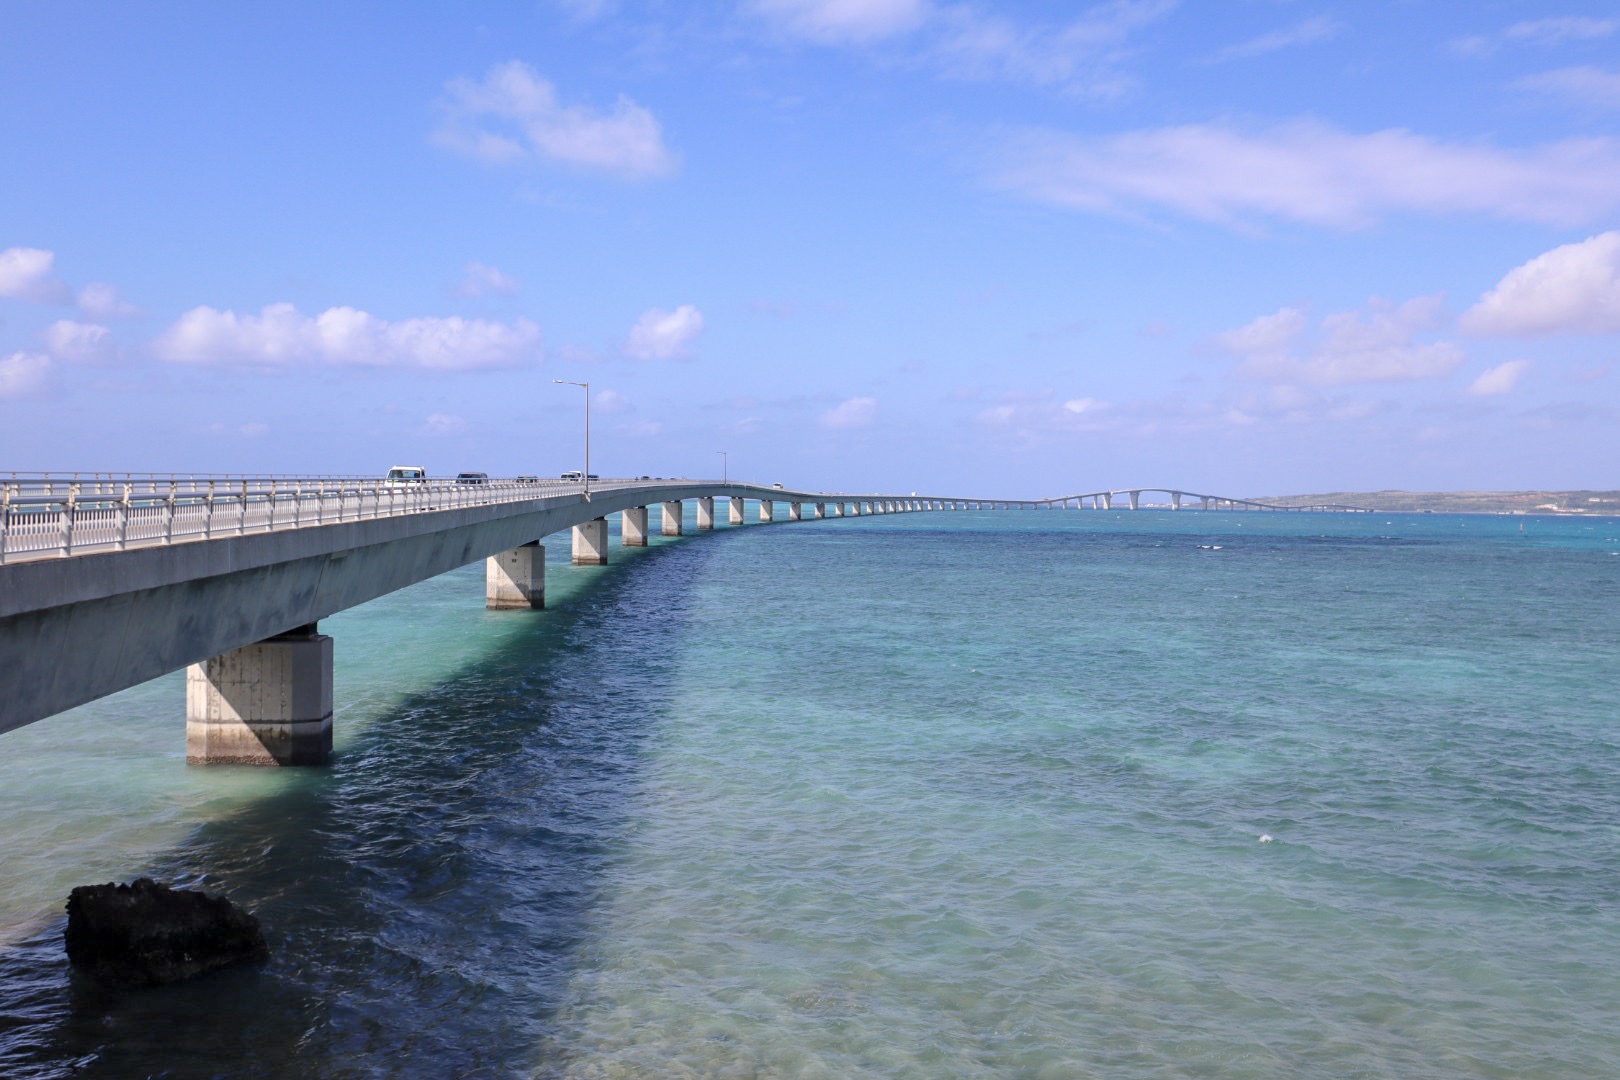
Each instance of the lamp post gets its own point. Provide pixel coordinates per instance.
(725, 467)
(587, 388)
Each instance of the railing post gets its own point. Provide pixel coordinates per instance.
(69, 509)
(270, 520)
(168, 515)
(208, 513)
(241, 514)
(123, 521)
(5, 519)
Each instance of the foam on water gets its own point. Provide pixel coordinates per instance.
(945, 794)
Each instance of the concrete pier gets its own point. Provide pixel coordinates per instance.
(705, 513)
(672, 519)
(767, 511)
(838, 509)
(516, 579)
(736, 517)
(820, 511)
(1136, 499)
(1175, 500)
(633, 527)
(269, 703)
(590, 543)
(795, 511)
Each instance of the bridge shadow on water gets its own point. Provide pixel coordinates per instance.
(428, 896)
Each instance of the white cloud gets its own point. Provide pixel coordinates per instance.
(1377, 344)
(664, 335)
(443, 424)
(1500, 379)
(80, 343)
(611, 401)
(1320, 28)
(1083, 55)
(1080, 406)
(280, 335)
(1589, 87)
(26, 274)
(1309, 172)
(100, 300)
(1553, 31)
(481, 280)
(251, 430)
(1573, 289)
(23, 373)
(856, 412)
(529, 120)
(840, 21)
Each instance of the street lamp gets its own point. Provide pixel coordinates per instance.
(725, 467)
(587, 388)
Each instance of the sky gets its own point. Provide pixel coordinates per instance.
(980, 249)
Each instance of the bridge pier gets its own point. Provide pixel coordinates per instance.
(516, 579)
(1136, 499)
(705, 513)
(590, 543)
(736, 510)
(795, 511)
(1175, 500)
(767, 511)
(633, 527)
(838, 509)
(672, 518)
(1203, 501)
(269, 703)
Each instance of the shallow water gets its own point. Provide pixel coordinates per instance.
(966, 794)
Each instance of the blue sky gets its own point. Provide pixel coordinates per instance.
(1252, 247)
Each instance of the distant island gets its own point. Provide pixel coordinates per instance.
(1464, 502)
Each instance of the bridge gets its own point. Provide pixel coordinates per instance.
(107, 581)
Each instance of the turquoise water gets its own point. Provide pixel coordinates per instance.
(966, 795)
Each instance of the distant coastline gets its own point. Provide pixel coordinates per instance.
(1465, 502)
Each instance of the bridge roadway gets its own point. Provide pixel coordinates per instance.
(108, 581)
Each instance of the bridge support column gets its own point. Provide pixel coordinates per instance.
(1203, 502)
(767, 511)
(672, 518)
(590, 543)
(705, 513)
(838, 509)
(516, 579)
(1136, 499)
(1175, 500)
(1107, 498)
(795, 511)
(269, 703)
(736, 517)
(820, 511)
(633, 527)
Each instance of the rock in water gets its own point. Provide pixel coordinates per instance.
(146, 934)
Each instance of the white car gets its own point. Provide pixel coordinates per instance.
(406, 474)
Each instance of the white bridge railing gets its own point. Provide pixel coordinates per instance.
(54, 515)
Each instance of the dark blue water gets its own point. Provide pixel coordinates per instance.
(934, 795)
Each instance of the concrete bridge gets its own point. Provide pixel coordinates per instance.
(108, 581)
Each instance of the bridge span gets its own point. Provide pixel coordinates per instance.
(107, 581)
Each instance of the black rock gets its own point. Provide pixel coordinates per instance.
(146, 934)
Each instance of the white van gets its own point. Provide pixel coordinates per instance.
(406, 474)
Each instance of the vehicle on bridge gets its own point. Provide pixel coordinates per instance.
(472, 478)
(406, 474)
(577, 476)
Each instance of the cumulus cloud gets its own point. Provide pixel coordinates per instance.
(80, 343)
(840, 21)
(1589, 87)
(280, 336)
(23, 373)
(481, 280)
(100, 300)
(664, 335)
(856, 412)
(1380, 343)
(1308, 172)
(1320, 28)
(611, 401)
(1573, 289)
(28, 274)
(514, 114)
(1500, 379)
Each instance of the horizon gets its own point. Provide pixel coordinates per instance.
(888, 244)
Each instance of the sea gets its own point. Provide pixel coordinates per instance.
(1027, 794)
